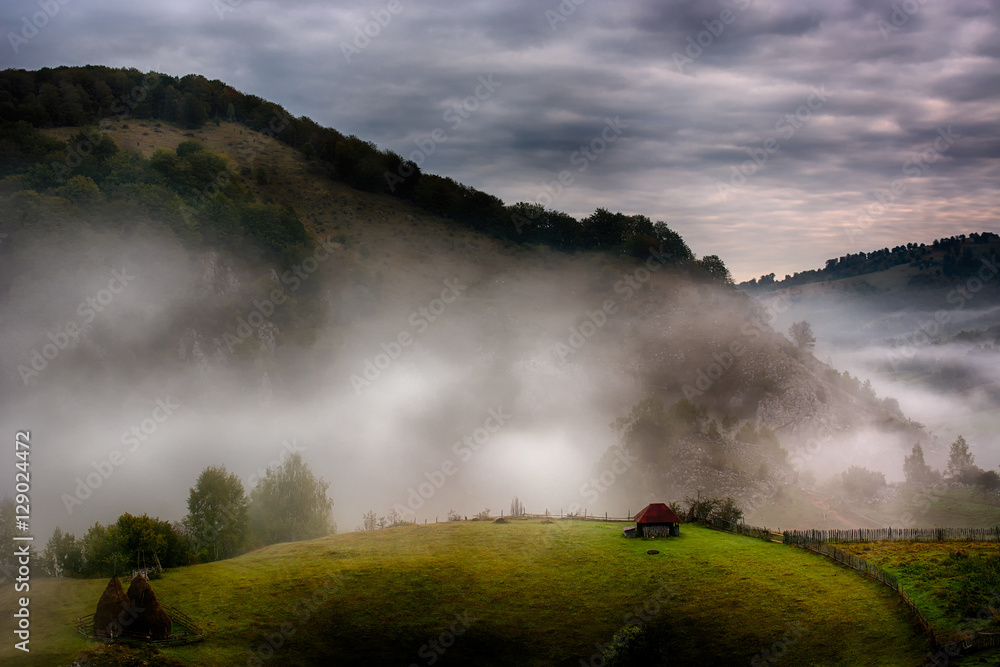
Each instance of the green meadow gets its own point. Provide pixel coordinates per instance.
(520, 593)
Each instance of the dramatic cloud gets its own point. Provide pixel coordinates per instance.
(810, 112)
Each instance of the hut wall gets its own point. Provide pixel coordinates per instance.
(657, 530)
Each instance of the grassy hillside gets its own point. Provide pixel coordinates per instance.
(955, 584)
(531, 594)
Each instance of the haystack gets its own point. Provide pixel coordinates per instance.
(151, 620)
(113, 601)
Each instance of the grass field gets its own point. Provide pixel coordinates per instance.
(956, 585)
(523, 593)
(951, 582)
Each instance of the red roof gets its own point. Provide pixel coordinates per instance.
(657, 513)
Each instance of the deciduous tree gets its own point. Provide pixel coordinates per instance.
(218, 519)
(802, 335)
(289, 503)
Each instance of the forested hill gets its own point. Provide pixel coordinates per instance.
(82, 96)
(943, 259)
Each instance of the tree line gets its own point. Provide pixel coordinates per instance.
(948, 257)
(78, 96)
(288, 503)
(960, 471)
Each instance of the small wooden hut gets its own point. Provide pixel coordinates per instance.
(111, 605)
(151, 622)
(657, 520)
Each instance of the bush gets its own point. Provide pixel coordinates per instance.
(708, 510)
(862, 482)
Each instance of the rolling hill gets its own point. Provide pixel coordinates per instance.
(522, 593)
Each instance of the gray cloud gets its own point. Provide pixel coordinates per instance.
(893, 79)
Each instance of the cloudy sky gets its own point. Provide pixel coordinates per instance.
(774, 133)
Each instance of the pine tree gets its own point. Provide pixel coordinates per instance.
(961, 462)
(916, 469)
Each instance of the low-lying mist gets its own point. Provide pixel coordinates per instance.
(416, 372)
(931, 351)
(425, 388)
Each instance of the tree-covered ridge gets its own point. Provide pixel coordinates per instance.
(947, 257)
(78, 96)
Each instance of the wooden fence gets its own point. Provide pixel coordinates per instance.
(553, 515)
(814, 540)
(900, 534)
(742, 529)
(183, 630)
(819, 541)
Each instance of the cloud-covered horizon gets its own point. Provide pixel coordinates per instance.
(758, 130)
